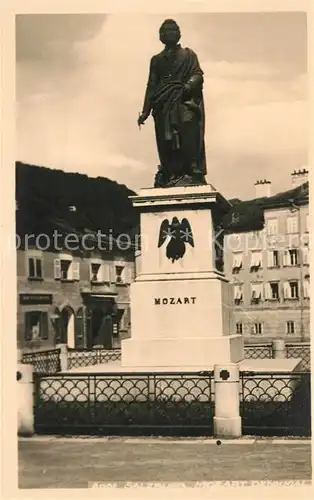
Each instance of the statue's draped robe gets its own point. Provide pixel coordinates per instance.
(179, 116)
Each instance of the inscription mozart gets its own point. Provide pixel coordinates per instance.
(174, 300)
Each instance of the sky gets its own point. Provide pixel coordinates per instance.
(80, 84)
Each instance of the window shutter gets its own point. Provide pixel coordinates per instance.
(57, 269)
(235, 291)
(79, 325)
(44, 326)
(305, 253)
(297, 257)
(286, 258)
(27, 330)
(253, 259)
(106, 272)
(31, 267)
(306, 289)
(90, 272)
(259, 259)
(88, 327)
(75, 270)
(286, 290)
(270, 258)
(57, 327)
(100, 273)
(127, 274)
(112, 273)
(39, 270)
(267, 291)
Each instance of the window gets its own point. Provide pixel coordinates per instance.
(290, 327)
(238, 294)
(291, 257)
(306, 288)
(256, 261)
(305, 255)
(35, 270)
(239, 328)
(256, 293)
(66, 269)
(36, 325)
(273, 258)
(257, 329)
(237, 262)
(291, 290)
(119, 274)
(272, 227)
(292, 224)
(272, 290)
(95, 272)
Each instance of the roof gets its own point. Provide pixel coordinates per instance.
(248, 215)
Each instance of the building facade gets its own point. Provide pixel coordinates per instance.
(269, 268)
(80, 299)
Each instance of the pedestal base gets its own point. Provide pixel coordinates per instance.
(200, 353)
(227, 427)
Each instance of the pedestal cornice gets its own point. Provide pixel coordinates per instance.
(200, 196)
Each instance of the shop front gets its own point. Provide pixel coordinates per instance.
(34, 320)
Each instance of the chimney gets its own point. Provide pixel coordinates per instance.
(299, 177)
(262, 188)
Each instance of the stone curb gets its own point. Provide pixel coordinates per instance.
(210, 441)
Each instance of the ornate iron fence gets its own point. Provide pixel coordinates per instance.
(125, 403)
(258, 351)
(302, 351)
(85, 357)
(275, 404)
(43, 361)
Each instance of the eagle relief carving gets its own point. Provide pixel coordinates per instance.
(176, 234)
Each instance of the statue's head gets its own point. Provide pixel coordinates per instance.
(169, 32)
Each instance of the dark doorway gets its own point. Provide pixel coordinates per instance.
(101, 328)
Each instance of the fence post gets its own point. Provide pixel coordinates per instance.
(25, 399)
(19, 355)
(64, 360)
(278, 349)
(227, 420)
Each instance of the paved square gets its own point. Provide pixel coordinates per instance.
(71, 463)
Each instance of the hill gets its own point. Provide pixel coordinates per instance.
(44, 196)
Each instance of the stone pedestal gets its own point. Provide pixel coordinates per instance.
(181, 308)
